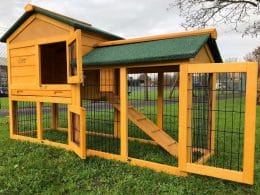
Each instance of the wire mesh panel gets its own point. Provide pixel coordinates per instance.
(25, 120)
(171, 103)
(101, 100)
(46, 116)
(153, 112)
(63, 116)
(218, 115)
(142, 95)
(49, 131)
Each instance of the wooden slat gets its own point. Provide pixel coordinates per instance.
(22, 51)
(212, 32)
(51, 93)
(123, 113)
(250, 121)
(217, 67)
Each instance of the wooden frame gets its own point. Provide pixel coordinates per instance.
(75, 38)
(247, 175)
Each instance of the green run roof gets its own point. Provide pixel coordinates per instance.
(151, 51)
(67, 20)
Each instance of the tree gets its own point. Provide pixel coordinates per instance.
(242, 16)
(254, 56)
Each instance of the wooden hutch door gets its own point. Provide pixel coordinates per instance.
(76, 128)
(74, 58)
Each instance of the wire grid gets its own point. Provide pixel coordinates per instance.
(171, 104)
(146, 102)
(63, 116)
(142, 95)
(46, 115)
(26, 120)
(101, 118)
(54, 134)
(3, 80)
(229, 120)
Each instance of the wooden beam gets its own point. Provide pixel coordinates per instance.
(54, 114)
(39, 120)
(183, 116)
(123, 113)
(250, 121)
(212, 32)
(160, 101)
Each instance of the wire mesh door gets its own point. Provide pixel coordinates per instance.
(221, 105)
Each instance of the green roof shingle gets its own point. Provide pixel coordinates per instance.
(150, 51)
(67, 20)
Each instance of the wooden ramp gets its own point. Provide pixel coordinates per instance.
(147, 126)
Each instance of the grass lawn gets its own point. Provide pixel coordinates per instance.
(4, 103)
(31, 168)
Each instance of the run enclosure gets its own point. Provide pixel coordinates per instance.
(183, 119)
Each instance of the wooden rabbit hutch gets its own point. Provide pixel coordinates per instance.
(164, 102)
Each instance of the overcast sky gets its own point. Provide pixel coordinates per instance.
(127, 18)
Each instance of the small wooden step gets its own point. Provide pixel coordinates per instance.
(141, 119)
(156, 130)
(172, 144)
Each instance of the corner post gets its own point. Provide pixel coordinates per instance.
(250, 121)
(183, 117)
(39, 120)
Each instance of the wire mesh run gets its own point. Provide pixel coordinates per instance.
(218, 114)
(145, 92)
(62, 116)
(52, 132)
(100, 97)
(25, 119)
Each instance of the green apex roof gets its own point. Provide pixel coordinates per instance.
(67, 20)
(151, 51)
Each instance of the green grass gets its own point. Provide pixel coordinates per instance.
(4, 103)
(32, 168)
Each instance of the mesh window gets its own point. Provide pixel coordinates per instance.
(224, 140)
(26, 120)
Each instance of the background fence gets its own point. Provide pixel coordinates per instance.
(3, 85)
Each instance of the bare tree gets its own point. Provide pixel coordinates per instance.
(254, 56)
(241, 16)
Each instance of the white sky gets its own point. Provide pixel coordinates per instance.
(127, 18)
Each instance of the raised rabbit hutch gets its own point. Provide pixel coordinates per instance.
(164, 102)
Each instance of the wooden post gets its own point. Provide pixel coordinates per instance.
(13, 118)
(146, 87)
(160, 100)
(116, 112)
(250, 121)
(54, 116)
(39, 121)
(123, 113)
(211, 111)
(189, 119)
(183, 117)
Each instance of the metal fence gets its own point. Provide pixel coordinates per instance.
(3, 86)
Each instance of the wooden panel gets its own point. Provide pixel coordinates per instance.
(90, 90)
(30, 50)
(39, 29)
(22, 60)
(52, 93)
(29, 79)
(202, 57)
(107, 80)
(23, 70)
